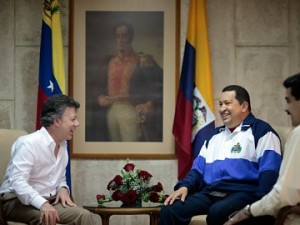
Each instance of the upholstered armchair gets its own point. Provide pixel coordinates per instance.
(7, 138)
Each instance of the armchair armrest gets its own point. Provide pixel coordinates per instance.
(285, 211)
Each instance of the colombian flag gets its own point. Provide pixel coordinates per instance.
(51, 71)
(194, 118)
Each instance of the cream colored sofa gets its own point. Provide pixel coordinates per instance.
(283, 133)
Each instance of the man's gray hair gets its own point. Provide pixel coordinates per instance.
(54, 107)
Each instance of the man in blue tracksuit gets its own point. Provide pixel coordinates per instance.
(236, 166)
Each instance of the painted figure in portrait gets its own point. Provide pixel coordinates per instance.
(126, 93)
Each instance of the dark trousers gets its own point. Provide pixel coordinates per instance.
(217, 209)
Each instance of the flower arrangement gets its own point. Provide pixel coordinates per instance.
(133, 186)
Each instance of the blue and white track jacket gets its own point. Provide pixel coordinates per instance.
(247, 159)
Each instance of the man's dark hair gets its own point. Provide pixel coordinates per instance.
(241, 94)
(293, 82)
(54, 107)
(129, 27)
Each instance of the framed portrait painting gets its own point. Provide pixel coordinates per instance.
(123, 68)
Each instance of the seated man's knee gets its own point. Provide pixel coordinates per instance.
(216, 215)
(171, 214)
(165, 210)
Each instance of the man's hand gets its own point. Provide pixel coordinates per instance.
(238, 217)
(64, 197)
(48, 215)
(104, 100)
(144, 108)
(180, 193)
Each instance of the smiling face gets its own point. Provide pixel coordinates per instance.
(66, 125)
(292, 107)
(231, 111)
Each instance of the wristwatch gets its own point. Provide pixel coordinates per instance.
(247, 211)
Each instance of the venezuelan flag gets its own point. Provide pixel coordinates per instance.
(51, 68)
(194, 118)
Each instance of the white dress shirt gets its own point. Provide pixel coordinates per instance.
(286, 191)
(34, 173)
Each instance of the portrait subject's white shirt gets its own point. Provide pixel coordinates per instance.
(33, 171)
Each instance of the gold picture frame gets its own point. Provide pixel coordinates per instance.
(156, 37)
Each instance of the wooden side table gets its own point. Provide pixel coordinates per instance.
(106, 212)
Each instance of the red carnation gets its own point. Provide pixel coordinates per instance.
(133, 186)
(114, 183)
(117, 195)
(144, 175)
(153, 197)
(158, 187)
(100, 197)
(129, 197)
(129, 167)
(119, 180)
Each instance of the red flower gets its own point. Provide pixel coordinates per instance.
(114, 183)
(117, 195)
(129, 167)
(153, 197)
(158, 187)
(100, 197)
(133, 186)
(118, 179)
(129, 197)
(144, 175)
